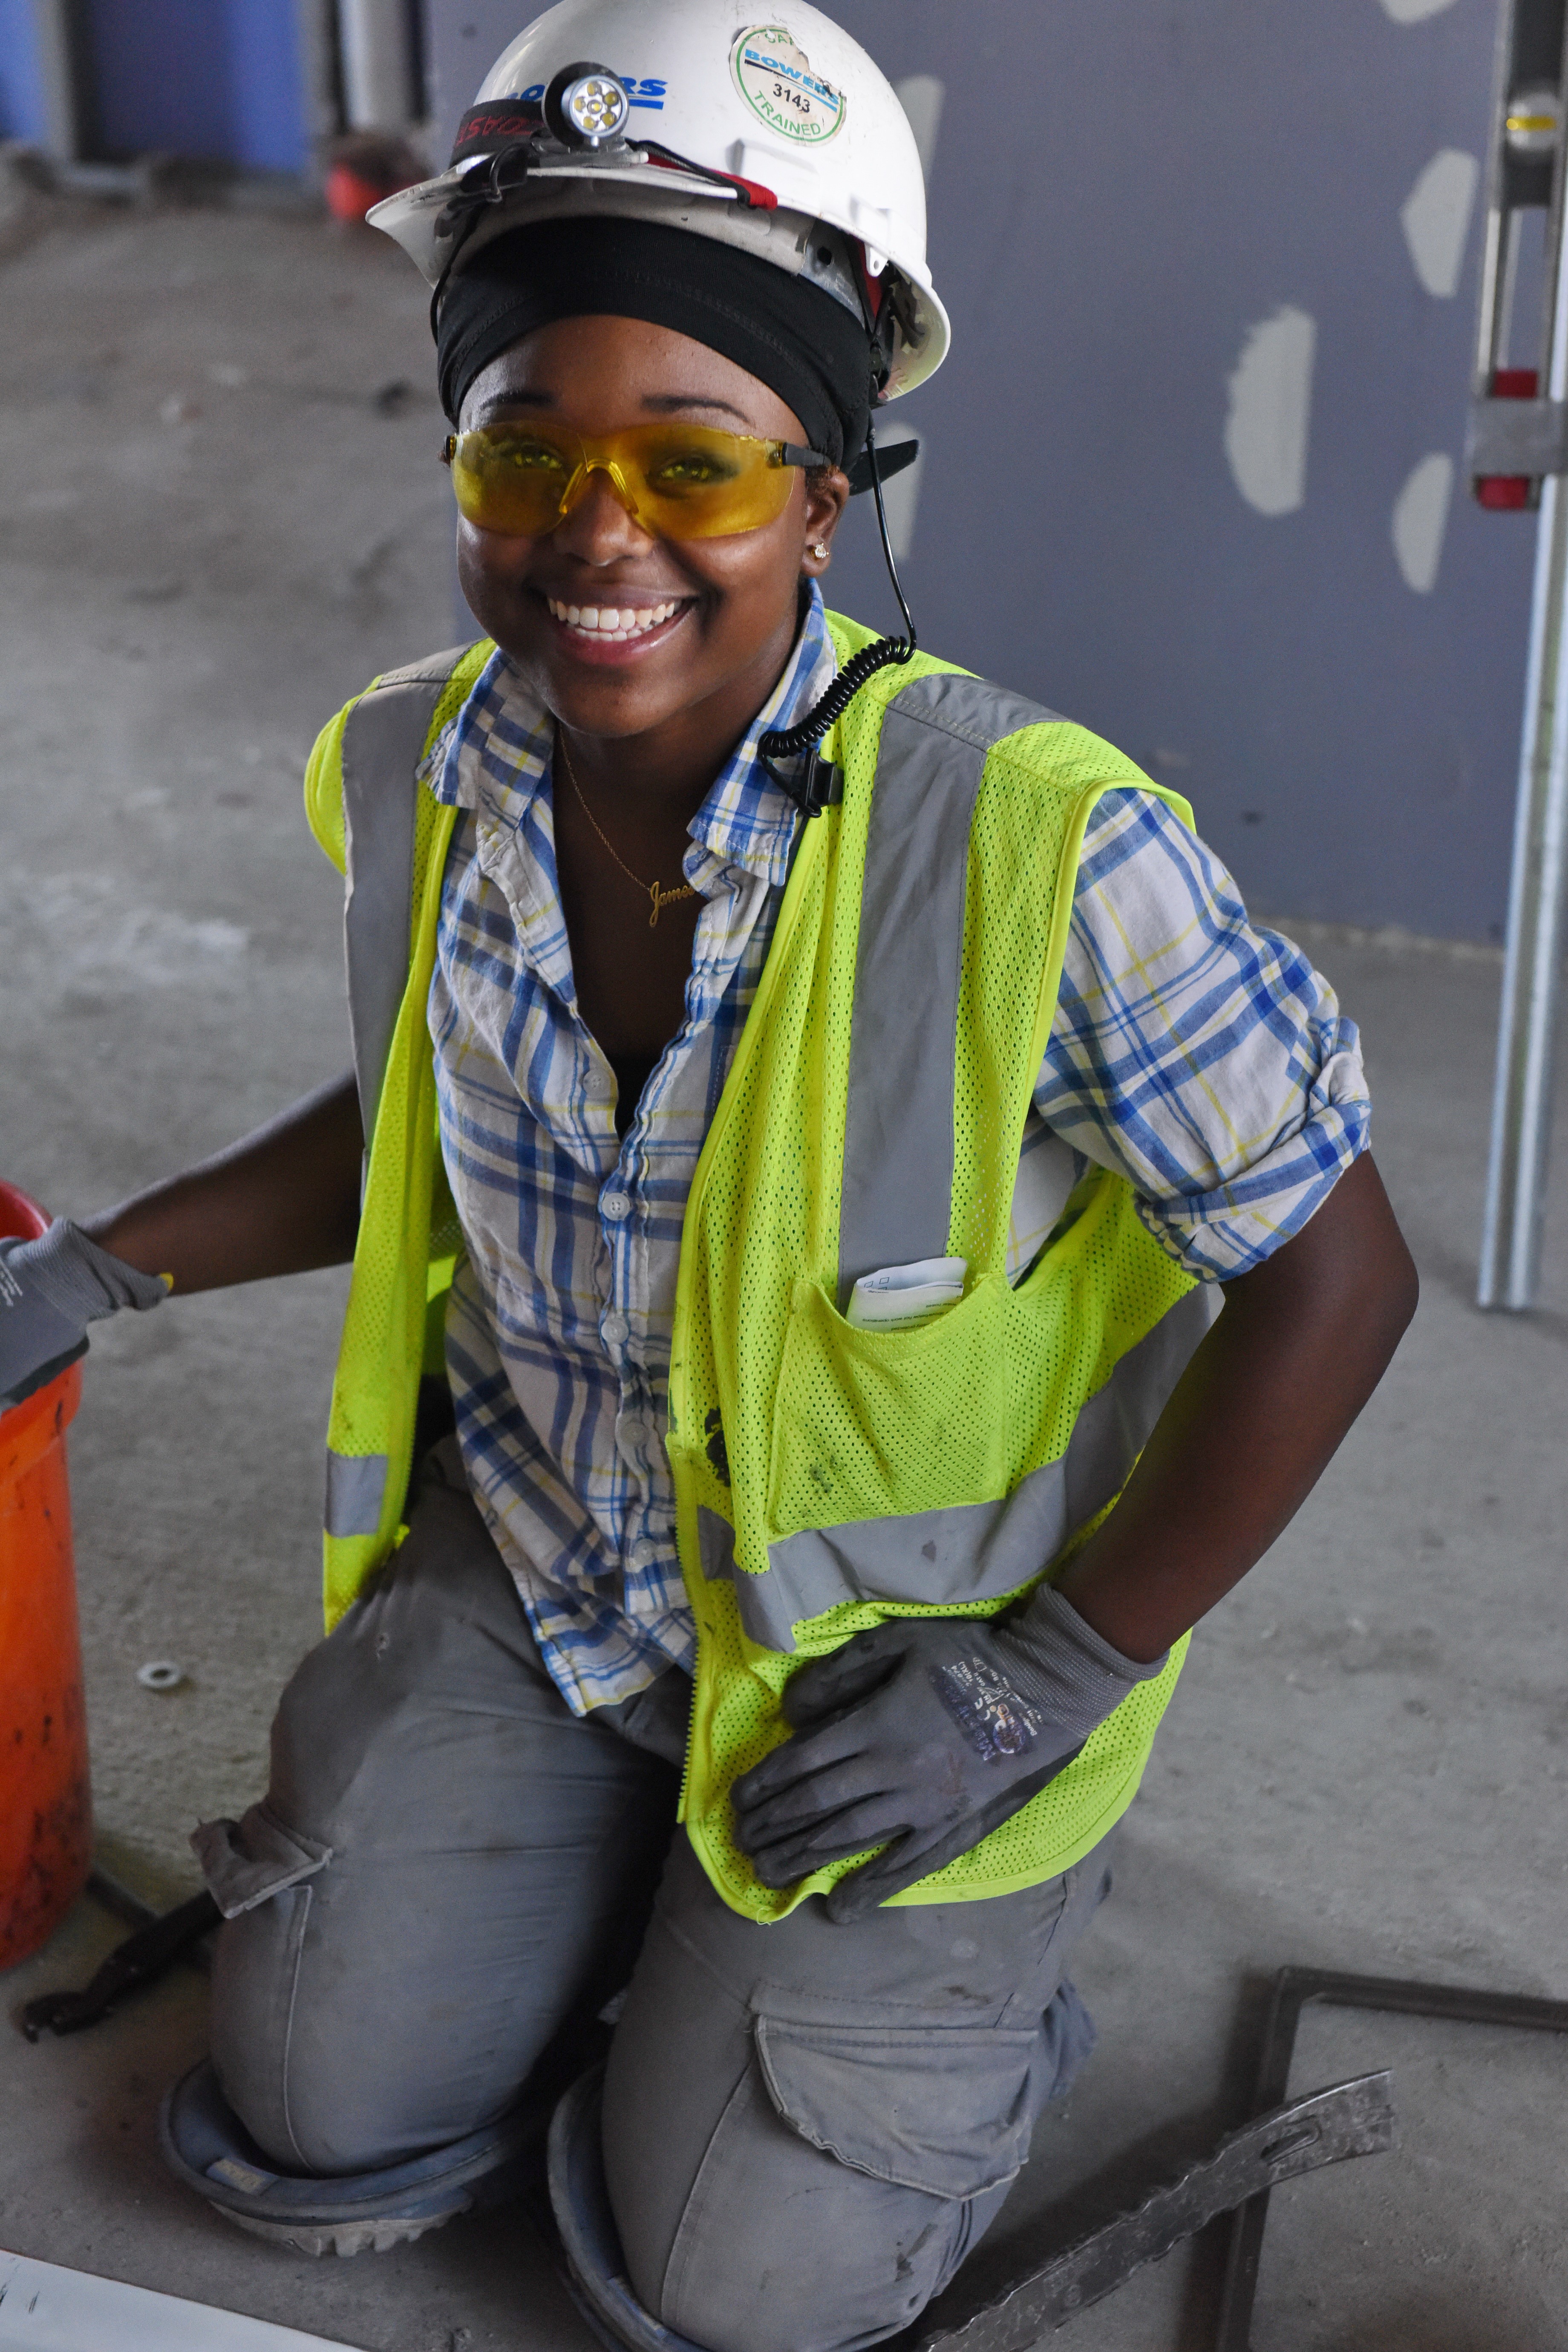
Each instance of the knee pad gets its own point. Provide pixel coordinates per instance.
(205, 2145)
(589, 2252)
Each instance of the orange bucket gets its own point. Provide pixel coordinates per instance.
(46, 1802)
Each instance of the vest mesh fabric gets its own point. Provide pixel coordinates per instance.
(407, 1241)
(783, 1417)
(768, 1183)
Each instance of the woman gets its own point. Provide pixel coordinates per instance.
(855, 1088)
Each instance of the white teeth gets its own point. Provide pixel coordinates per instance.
(610, 621)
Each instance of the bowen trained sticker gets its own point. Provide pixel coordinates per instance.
(775, 79)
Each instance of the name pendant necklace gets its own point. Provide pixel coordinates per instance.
(654, 892)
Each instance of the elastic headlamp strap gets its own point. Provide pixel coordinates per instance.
(481, 189)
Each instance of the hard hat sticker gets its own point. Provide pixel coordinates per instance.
(775, 79)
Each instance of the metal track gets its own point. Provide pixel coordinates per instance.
(1353, 2119)
(1407, 1997)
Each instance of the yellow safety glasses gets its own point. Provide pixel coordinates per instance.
(677, 481)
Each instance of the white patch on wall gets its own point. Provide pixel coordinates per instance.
(1413, 12)
(901, 496)
(1420, 519)
(920, 96)
(1435, 218)
(1266, 431)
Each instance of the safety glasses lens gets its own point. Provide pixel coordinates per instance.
(678, 481)
(511, 481)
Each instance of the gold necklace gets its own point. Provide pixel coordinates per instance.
(654, 891)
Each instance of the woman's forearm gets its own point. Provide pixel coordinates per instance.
(1254, 1420)
(280, 1201)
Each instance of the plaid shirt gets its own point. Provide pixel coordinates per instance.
(1195, 1054)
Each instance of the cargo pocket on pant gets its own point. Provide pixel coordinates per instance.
(945, 2109)
(247, 1862)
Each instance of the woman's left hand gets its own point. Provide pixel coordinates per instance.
(921, 1737)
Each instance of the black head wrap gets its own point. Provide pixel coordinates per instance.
(796, 339)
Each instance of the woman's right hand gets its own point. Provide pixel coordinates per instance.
(280, 1201)
(51, 1288)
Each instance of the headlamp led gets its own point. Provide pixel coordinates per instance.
(585, 106)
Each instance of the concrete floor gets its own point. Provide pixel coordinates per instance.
(221, 516)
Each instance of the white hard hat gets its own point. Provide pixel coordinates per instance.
(693, 113)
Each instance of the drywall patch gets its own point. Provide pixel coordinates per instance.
(920, 96)
(1420, 520)
(1269, 423)
(1435, 218)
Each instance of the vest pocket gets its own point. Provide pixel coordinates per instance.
(943, 2108)
(874, 1424)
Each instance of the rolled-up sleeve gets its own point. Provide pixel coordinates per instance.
(1193, 1052)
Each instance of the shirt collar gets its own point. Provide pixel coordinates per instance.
(496, 753)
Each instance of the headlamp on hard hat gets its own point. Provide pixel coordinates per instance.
(586, 105)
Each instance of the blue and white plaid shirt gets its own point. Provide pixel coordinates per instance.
(1198, 1055)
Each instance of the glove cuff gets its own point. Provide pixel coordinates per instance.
(78, 1277)
(1048, 1605)
(1063, 1664)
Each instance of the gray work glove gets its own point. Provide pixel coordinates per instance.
(50, 1290)
(921, 1737)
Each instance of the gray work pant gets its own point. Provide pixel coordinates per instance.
(806, 2127)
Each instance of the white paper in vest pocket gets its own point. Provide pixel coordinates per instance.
(906, 1294)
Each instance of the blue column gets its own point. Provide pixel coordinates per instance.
(24, 108)
(218, 80)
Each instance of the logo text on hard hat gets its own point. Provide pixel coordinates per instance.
(773, 76)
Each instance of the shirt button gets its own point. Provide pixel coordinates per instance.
(615, 1329)
(643, 1553)
(615, 1206)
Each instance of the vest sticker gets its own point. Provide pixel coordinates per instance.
(775, 79)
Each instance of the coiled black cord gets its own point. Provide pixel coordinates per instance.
(788, 742)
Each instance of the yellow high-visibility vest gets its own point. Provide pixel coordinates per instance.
(826, 1477)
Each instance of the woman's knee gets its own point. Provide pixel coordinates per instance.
(325, 2066)
(778, 2246)
(254, 1985)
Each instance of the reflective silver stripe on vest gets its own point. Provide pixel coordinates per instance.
(384, 742)
(974, 1551)
(898, 1143)
(355, 1486)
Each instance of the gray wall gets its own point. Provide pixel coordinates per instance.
(1122, 193)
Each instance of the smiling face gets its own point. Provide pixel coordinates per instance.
(620, 632)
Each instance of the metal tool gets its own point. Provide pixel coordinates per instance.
(1293, 1989)
(158, 1942)
(1518, 457)
(1353, 2118)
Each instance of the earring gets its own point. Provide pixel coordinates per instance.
(819, 550)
